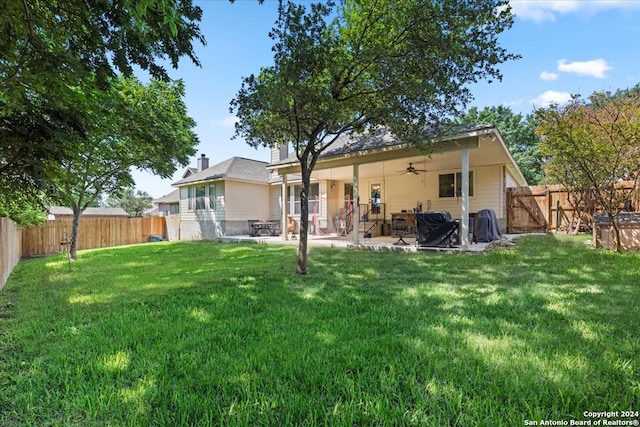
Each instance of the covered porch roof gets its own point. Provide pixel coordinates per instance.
(375, 154)
(380, 153)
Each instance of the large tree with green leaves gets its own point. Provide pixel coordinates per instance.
(594, 144)
(133, 125)
(135, 203)
(519, 136)
(22, 209)
(400, 64)
(49, 49)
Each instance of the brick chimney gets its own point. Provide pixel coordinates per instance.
(203, 163)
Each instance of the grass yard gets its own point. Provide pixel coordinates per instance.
(206, 334)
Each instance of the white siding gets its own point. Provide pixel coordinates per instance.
(509, 180)
(275, 155)
(191, 215)
(403, 192)
(245, 201)
(204, 224)
(184, 204)
(275, 205)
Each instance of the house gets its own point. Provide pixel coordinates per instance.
(361, 182)
(60, 212)
(169, 204)
(219, 200)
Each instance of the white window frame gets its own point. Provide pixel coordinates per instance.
(457, 184)
(293, 197)
(201, 197)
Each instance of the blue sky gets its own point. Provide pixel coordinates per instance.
(567, 47)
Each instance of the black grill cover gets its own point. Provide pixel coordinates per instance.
(487, 226)
(436, 229)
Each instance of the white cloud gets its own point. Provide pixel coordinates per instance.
(594, 68)
(549, 10)
(514, 103)
(540, 11)
(227, 122)
(550, 97)
(546, 75)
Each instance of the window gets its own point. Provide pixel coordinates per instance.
(202, 197)
(375, 198)
(212, 197)
(294, 201)
(450, 184)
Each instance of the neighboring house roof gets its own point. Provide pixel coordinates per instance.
(235, 168)
(61, 210)
(154, 211)
(189, 171)
(173, 197)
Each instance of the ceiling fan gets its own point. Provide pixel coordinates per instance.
(412, 171)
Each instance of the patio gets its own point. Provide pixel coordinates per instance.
(374, 243)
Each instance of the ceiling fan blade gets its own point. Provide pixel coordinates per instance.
(410, 170)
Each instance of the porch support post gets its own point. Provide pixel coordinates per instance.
(464, 217)
(356, 205)
(284, 205)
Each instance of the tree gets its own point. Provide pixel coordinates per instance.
(593, 145)
(519, 136)
(32, 138)
(133, 125)
(52, 48)
(49, 47)
(366, 64)
(22, 208)
(136, 203)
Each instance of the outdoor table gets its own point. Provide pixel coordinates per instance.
(264, 227)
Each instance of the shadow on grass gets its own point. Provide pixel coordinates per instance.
(201, 333)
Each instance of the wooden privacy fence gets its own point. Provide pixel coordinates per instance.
(94, 233)
(10, 248)
(542, 208)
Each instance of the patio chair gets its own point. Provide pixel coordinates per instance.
(399, 229)
(291, 228)
(253, 231)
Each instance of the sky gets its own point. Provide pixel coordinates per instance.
(567, 47)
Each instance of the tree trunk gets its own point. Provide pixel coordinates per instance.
(576, 230)
(616, 233)
(75, 229)
(302, 267)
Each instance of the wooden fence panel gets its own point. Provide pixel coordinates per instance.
(94, 233)
(526, 211)
(10, 248)
(549, 207)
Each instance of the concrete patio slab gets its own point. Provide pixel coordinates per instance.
(374, 243)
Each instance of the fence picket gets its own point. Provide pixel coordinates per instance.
(94, 233)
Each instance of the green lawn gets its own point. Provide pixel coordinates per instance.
(206, 334)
